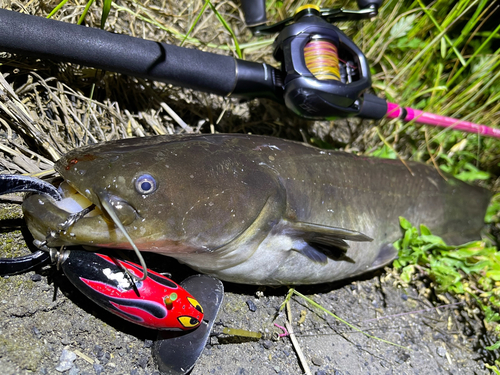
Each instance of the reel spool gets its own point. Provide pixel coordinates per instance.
(322, 59)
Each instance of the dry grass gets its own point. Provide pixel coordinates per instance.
(46, 107)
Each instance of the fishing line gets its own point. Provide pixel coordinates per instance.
(322, 59)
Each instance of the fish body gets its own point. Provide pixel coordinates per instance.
(255, 209)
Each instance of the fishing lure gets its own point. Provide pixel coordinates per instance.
(155, 302)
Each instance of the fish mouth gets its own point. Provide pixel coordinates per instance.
(77, 218)
(89, 218)
(105, 204)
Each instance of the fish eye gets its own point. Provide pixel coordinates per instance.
(188, 321)
(145, 184)
(195, 304)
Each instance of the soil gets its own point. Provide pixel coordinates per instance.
(43, 316)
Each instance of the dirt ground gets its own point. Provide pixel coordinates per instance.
(43, 316)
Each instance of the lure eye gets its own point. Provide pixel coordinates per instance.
(145, 184)
(188, 321)
(195, 304)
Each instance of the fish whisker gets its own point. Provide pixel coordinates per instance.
(112, 214)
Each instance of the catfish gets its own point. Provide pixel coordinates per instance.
(250, 209)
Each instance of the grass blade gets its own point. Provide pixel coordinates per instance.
(56, 9)
(228, 28)
(106, 6)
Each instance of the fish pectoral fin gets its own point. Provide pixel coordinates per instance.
(326, 234)
(320, 242)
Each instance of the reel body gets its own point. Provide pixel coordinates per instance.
(324, 73)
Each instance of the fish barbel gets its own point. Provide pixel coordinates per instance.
(252, 209)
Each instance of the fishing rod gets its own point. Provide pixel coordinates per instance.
(323, 74)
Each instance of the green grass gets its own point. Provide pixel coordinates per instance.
(471, 270)
(441, 59)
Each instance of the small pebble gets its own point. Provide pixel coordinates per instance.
(37, 332)
(99, 369)
(148, 343)
(98, 351)
(143, 361)
(66, 360)
(74, 370)
(267, 344)
(441, 351)
(404, 297)
(105, 358)
(251, 306)
(36, 277)
(320, 372)
(277, 369)
(318, 361)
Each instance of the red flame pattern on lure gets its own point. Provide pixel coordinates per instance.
(156, 302)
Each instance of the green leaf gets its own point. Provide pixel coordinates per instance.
(433, 240)
(228, 28)
(195, 22)
(493, 211)
(384, 152)
(495, 275)
(405, 224)
(495, 346)
(424, 230)
(407, 273)
(401, 28)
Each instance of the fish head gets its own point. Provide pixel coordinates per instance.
(185, 195)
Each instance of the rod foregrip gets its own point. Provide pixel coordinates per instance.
(60, 41)
(256, 80)
(373, 107)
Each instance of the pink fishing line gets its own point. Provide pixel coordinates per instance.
(395, 111)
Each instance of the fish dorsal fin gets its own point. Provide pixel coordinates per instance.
(320, 242)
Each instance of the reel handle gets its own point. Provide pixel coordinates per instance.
(254, 11)
(363, 4)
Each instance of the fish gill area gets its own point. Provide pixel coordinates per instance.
(48, 327)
